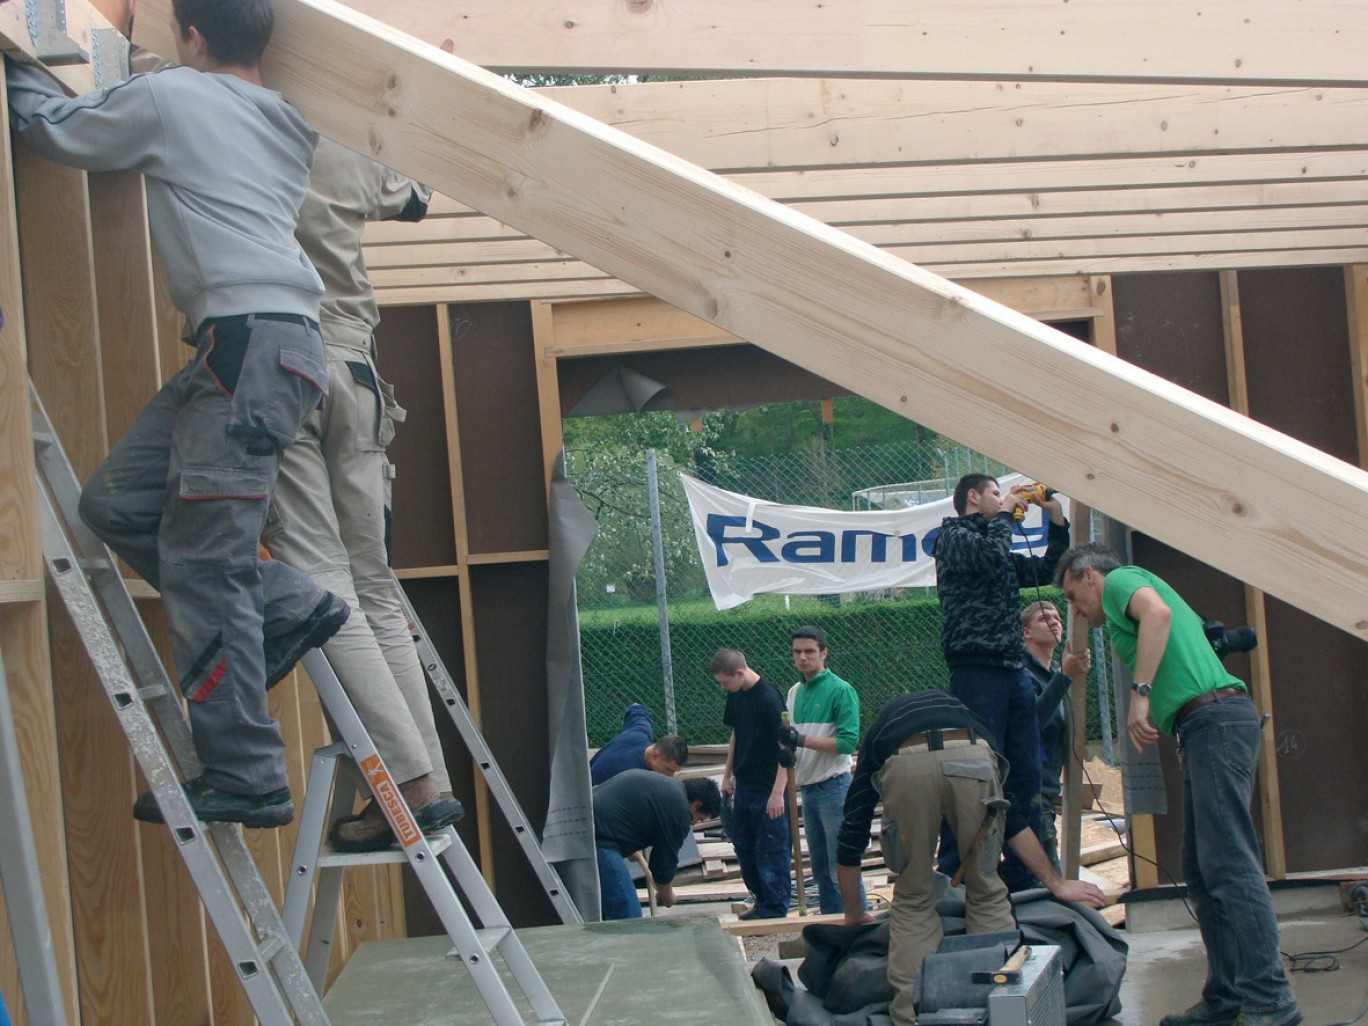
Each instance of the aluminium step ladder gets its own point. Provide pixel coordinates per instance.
(484, 760)
(144, 699)
(313, 859)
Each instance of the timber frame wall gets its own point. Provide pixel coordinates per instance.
(486, 370)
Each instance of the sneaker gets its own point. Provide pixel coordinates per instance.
(284, 651)
(1289, 1015)
(1201, 1014)
(431, 817)
(273, 809)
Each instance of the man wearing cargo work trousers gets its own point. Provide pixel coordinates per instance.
(329, 512)
(183, 495)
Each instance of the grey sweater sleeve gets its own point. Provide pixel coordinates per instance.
(114, 129)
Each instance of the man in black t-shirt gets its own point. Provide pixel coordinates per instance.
(758, 783)
(639, 809)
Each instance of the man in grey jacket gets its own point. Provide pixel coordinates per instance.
(183, 495)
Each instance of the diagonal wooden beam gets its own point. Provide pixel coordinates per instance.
(1251, 501)
(1252, 41)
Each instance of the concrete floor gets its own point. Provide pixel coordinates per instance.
(1165, 969)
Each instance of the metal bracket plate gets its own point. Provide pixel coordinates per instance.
(47, 27)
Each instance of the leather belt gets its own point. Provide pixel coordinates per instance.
(935, 739)
(1205, 698)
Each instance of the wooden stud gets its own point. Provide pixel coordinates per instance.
(447, 356)
(1260, 677)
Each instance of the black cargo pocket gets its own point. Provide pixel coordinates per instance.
(280, 384)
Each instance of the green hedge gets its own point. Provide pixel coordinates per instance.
(882, 648)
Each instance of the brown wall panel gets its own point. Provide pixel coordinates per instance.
(510, 644)
(436, 600)
(1300, 382)
(1170, 324)
(500, 426)
(711, 378)
(407, 343)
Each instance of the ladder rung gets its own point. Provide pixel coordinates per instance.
(490, 940)
(327, 857)
(43, 440)
(269, 946)
(152, 691)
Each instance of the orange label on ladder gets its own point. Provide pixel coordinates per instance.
(387, 794)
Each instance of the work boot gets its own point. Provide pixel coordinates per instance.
(1201, 1014)
(272, 809)
(369, 831)
(1288, 1015)
(284, 651)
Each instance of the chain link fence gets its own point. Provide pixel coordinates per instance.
(884, 643)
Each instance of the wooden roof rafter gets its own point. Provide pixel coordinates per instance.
(874, 324)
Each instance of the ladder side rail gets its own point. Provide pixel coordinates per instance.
(317, 951)
(314, 817)
(191, 841)
(491, 915)
(22, 884)
(426, 867)
(489, 767)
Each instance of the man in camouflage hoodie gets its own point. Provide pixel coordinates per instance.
(979, 580)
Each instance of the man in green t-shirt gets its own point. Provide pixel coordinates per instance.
(1181, 688)
(823, 731)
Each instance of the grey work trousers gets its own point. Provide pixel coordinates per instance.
(183, 497)
(919, 786)
(327, 517)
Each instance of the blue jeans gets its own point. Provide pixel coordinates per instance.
(762, 849)
(1006, 703)
(617, 894)
(823, 810)
(1218, 746)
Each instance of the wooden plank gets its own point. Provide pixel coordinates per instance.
(822, 183)
(967, 274)
(1092, 241)
(447, 358)
(122, 250)
(1260, 678)
(59, 303)
(1225, 41)
(1121, 439)
(176, 927)
(1047, 211)
(21, 591)
(23, 642)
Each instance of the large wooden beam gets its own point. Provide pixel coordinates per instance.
(1264, 507)
(1176, 40)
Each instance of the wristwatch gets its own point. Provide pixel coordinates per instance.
(1143, 690)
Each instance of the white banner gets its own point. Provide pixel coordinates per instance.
(751, 547)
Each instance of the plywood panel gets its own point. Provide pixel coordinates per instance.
(1301, 380)
(497, 416)
(408, 357)
(510, 609)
